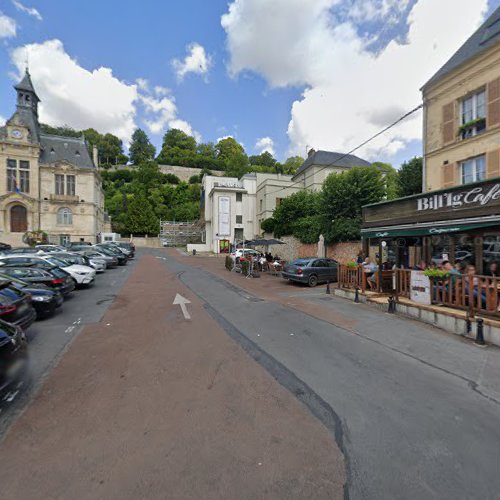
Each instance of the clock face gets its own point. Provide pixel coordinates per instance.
(16, 134)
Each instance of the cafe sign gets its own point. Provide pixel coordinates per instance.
(477, 196)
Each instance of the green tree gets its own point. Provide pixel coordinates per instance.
(410, 177)
(110, 147)
(178, 148)
(265, 159)
(229, 149)
(207, 150)
(141, 148)
(140, 217)
(390, 177)
(148, 174)
(237, 166)
(64, 130)
(292, 164)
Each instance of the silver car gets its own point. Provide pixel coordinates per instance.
(74, 258)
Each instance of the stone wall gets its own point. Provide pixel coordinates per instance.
(294, 249)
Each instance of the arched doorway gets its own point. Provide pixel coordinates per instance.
(18, 219)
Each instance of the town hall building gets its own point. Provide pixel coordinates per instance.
(47, 182)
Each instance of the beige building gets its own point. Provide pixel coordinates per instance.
(47, 182)
(462, 113)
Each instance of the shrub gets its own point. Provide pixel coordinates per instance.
(245, 266)
(436, 273)
(351, 264)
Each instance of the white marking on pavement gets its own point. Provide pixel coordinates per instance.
(10, 397)
(69, 329)
(182, 301)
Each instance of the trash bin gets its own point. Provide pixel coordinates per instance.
(194, 251)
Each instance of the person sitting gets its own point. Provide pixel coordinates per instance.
(269, 257)
(263, 262)
(493, 269)
(369, 266)
(421, 266)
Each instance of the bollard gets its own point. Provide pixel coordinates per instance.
(194, 251)
(356, 295)
(468, 324)
(392, 305)
(328, 287)
(479, 334)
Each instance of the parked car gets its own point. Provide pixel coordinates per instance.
(242, 253)
(15, 306)
(107, 250)
(76, 259)
(51, 248)
(113, 246)
(44, 299)
(13, 355)
(311, 271)
(24, 251)
(111, 260)
(4, 246)
(126, 245)
(82, 275)
(73, 244)
(53, 277)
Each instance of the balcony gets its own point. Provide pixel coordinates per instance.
(64, 198)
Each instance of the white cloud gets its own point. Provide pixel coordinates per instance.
(8, 27)
(197, 61)
(31, 11)
(265, 144)
(75, 96)
(350, 93)
(161, 91)
(2, 121)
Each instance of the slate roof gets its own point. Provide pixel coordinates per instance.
(57, 148)
(26, 84)
(325, 158)
(485, 37)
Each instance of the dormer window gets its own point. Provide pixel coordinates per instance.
(52, 151)
(473, 114)
(77, 153)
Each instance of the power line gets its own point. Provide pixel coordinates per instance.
(340, 157)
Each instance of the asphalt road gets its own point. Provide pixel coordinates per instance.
(411, 412)
(416, 411)
(49, 338)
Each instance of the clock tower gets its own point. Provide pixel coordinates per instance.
(27, 108)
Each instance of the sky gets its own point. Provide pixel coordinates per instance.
(277, 75)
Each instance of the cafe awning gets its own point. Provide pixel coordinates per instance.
(423, 230)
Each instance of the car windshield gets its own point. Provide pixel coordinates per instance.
(55, 261)
(300, 262)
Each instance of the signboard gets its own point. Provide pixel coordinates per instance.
(481, 199)
(420, 288)
(224, 216)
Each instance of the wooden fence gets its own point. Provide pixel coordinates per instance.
(474, 293)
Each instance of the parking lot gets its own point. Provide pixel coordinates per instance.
(49, 338)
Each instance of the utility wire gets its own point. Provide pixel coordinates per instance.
(340, 157)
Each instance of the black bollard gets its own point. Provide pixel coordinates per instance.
(328, 287)
(392, 305)
(356, 295)
(479, 335)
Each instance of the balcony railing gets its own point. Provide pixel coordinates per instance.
(65, 198)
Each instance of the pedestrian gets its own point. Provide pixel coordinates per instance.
(359, 259)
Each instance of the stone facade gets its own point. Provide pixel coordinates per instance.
(47, 183)
(457, 95)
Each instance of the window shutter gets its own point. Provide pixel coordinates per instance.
(449, 172)
(494, 103)
(448, 123)
(493, 163)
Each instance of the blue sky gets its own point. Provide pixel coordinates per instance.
(290, 73)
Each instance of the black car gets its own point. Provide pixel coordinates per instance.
(128, 246)
(53, 277)
(4, 247)
(311, 271)
(45, 300)
(15, 305)
(112, 250)
(13, 355)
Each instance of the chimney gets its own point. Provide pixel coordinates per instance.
(95, 156)
(311, 152)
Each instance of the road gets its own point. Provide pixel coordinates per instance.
(268, 391)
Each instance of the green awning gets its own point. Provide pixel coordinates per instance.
(424, 231)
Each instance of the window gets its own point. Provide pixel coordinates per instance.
(24, 176)
(473, 170)
(473, 114)
(11, 175)
(59, 184)
(65, 216)
(261, 204)
(278, 202)
(239, 219)
(70, 185)
(64, 239)
(239, 196)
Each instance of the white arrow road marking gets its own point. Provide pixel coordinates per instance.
(182, 301)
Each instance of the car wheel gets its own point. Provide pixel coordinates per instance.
(313, 280)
